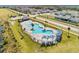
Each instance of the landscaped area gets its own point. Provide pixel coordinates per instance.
(17, 40)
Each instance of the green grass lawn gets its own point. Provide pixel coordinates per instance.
(6, 13)
(25, 44)
(8, 38)
(66, 45)
(24, 40)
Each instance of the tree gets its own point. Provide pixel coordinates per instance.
(68, 32)
(78, 37)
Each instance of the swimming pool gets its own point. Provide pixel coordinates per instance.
(41, 34)
(39, 30)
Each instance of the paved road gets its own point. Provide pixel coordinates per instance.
(60, 24)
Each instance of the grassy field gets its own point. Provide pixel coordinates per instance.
(25, 44)
(9, 44)
(6, 13)
(66, 45)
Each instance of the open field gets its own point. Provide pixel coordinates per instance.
(25, 44)
(9, 40)
(6, 13)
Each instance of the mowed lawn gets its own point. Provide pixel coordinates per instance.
(4, 17)
(27, 45)
(24, 40)
(6, 13)
(66, 45)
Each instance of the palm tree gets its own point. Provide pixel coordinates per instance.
(78, 37)
(68, 32)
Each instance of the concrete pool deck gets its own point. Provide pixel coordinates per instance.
(40, 33)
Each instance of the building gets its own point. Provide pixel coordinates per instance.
(71, 16)
(74, 19)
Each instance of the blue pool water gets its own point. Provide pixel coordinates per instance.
(39, 30)
(49, 35)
